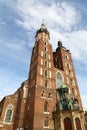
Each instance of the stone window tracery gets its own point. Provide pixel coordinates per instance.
(59, 80)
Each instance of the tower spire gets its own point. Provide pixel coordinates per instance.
(43, 29)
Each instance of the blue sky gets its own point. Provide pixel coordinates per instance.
(19, 19)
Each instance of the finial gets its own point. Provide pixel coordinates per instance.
(43, 25)
(43, 21)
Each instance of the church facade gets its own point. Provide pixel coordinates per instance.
(49, 99)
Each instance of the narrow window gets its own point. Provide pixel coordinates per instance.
(46, 124)
(46, 64)
(46, 73)
(46, 83)
(45, 44)
(67, 65)
(73, 91)
(45, 48)
(46, 106)
(45, 56)
(71, 82)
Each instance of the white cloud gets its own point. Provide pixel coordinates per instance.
(59, 18)
(60, 15)
(77, 42)
(16, 45)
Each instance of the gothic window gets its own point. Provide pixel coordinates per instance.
(8, 115)
(46, 83)
(67, 65)
(72, 82)
(59, 80)
(46, 123)
(45, 43)
(46, 73)
(45, 55)
(73, 91)
(69, 72)
(46, 64)
(66, 57)
(45, 48)
(46, 106)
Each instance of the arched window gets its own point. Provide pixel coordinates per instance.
(67, 124)
(59, 80)
(46, 106)
(46, 83)
(45, 55)
(45, 73)
(73, 91)
(46, 64)
(78, 124)
(8, 115)
(46, 123)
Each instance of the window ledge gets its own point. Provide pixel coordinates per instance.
(49, 98)
(46, 113)
(47, 127)
(8, 123)
(43, 97)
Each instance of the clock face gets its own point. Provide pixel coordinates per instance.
(59, 80)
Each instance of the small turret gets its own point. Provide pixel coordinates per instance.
(59, 43)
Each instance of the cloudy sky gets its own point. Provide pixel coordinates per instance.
(19, 19)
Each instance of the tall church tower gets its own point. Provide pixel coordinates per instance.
(42, 94)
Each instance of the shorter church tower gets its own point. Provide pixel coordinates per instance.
(69, 112)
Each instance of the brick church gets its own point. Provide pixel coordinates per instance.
(49, 99)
